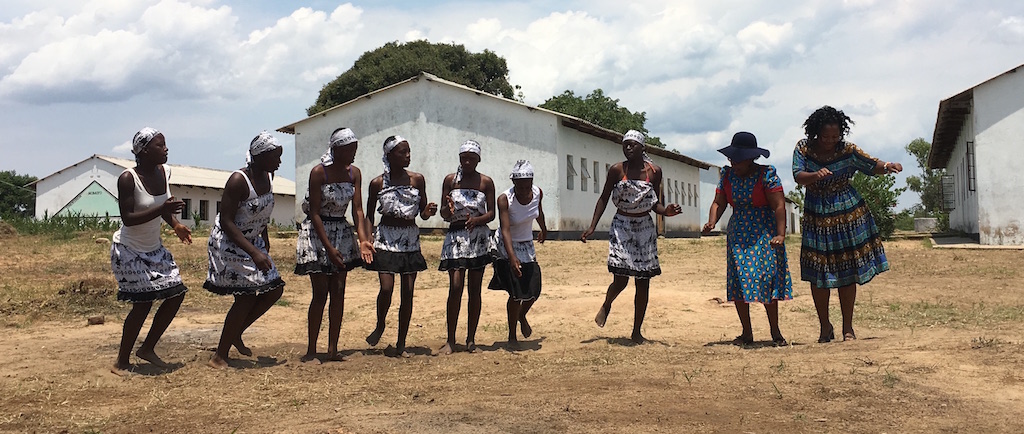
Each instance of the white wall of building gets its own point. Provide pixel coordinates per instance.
(964, 215)
(998, 112)
(55, 191)
(437, 117)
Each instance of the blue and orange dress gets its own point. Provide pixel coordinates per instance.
(756, 271)
(841, 243)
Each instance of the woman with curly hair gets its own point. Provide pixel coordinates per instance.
(841, 245)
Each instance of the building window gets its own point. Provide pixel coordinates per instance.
(204, 210)
(597, 176)
(218, 207)
(666, 194)
(971, 181)
(948, 193)
(679, 193)
(570, 173)
(689, 194)
(696, 196)
(585, 176)
(186, 211)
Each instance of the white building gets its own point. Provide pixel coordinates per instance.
(89, 188)
(570, 156)
(708, 185)
(977, 132)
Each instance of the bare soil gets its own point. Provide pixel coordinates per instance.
(941, 349)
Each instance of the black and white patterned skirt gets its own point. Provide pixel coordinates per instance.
(633, 247)
(145, 277)
(311, 256)
(466, 249)
(397, 250)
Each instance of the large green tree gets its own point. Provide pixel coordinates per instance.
(881, 197)
(601, 110)
(396, 62)
(928, 185)
(16, 200)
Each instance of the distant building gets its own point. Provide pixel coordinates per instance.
(570, 156)
(89, 188)
(977, 132)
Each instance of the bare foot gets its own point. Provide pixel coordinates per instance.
(525, 326)
(446, 350)
(471, 347)
(374, 338)
(743, 340)
(310, 358)
(602, 316)
(779, 340)
(121, 370)
(638, 339)
(336, 357)
(218, 362)
(151, 357)
(849, 336)
(242, 349)
(513, 345)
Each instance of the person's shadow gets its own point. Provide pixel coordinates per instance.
(151, 370)
(521, 346)
(751, 345)
(257, 363)
(623, 342)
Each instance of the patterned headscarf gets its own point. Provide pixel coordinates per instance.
(640, 138)
(142, 138)
(522, 169)
(467, 146)
(390, 145)
(340, 137)
(263, 142)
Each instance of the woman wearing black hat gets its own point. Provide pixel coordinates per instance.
(841, 245)
(757, 270)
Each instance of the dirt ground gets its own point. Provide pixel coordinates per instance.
(941, 349)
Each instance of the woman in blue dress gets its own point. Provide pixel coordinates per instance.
(841, 245)
(757, 271)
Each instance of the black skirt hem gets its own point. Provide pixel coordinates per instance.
(149, 297)
(397, 262)
(318, 268)
(250, 290)
(465, 263)
(521, 289)
(639, 274)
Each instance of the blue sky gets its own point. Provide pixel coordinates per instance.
(80, 77)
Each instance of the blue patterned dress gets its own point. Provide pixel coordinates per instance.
(756, 271)
(841, 244)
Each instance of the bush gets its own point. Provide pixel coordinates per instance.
(880, 196)
(63, 227)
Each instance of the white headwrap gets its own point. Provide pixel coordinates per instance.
(142, 138)
(467, 146)
(522, 169)
(390, 145)
(264, 142)
(640, 138)
(341, 137)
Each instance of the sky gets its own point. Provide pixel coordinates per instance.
(81, 77)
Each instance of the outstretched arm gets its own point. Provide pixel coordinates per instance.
(613, 176)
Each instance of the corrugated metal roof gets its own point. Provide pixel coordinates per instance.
(567, 120)
(190, 175)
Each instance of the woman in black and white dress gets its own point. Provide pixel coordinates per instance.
(239, 248)
(515, 261)
(399, 195)
(634, 187)
(145, 271)
(469, 206)
(327, 246)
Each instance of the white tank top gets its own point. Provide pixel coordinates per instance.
(144, 237)
(521, 216)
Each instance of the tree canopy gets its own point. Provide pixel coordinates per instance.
(601, 110)
(929, 184)
(394, 62)
(16, 200)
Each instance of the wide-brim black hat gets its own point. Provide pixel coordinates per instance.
(744, 147)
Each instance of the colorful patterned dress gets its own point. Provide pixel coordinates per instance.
(756, 271)
(841, 244)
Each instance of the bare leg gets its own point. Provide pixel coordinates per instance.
(847, 298)
(315, 315)
(643, 287)
(523, 324)
(513, 308)
(164, 315)
(405, 312)
(821, 296)
(130, 332)
(614, 289)
(772, 309)
(387, 288)
(743, 312)
(336, 312)
(476, 278)
(456, 281)
(233, 324)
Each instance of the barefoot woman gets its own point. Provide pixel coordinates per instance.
(239, 248)
(634, 187)
(144, 269)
